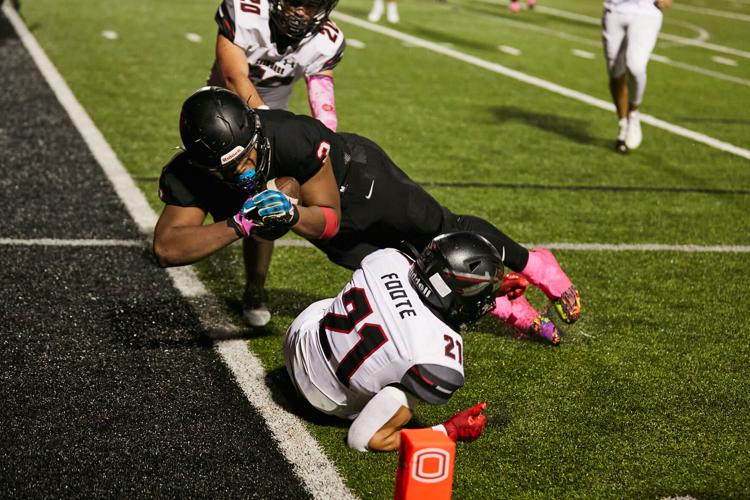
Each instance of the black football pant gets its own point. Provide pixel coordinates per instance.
(381, 207)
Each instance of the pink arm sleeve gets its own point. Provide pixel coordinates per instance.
(320, 97)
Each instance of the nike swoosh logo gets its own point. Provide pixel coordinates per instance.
(369, 195)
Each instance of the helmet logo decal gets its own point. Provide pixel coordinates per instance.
(440, 286)
(233, 154)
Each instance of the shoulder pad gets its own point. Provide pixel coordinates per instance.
(434, 384)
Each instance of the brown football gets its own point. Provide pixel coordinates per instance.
(290, 187)
(287, 185)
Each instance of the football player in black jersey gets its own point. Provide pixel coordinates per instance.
(353, 199)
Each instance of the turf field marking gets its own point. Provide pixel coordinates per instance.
(644, 247)
(654, 57)
(700, 70)
(507, 49)
(539, 82)
(712, 12)
(595, 247)
(51, 242)
(585, 54)
(724, 60)
(305, 455)
(699, 41)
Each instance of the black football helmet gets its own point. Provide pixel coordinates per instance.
(458, 275)
(296, 26)
(218, 130)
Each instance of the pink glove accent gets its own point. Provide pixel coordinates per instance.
(241, 222)
(320, 97)
(243, 226)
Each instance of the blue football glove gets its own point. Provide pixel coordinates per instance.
(271, 209)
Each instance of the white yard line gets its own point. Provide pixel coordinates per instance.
(699, 41)
(50, 242)
(598, 43)
(711, 12)
(306, 456)
(541, 83)
(184, 277)
(595, 247)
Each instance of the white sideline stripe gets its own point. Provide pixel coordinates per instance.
(51, 242)
(596, 247)
(538, 82)
(306, 456)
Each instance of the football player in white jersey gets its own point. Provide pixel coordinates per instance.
(629, 32)
(262, 49)
(392, 337)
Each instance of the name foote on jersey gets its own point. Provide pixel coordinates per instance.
(398, 295)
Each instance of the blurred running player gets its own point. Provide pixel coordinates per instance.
(390, 7)
(629, 32)
(515, 5)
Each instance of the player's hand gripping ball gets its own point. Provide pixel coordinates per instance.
(291, 189)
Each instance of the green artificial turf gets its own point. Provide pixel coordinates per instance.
(648, 395)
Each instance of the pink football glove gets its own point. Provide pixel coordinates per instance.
(466, 425)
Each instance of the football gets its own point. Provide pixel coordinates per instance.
(290, 187)
(287, 185)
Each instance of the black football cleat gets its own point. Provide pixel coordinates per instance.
(621, 147)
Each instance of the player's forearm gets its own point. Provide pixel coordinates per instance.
(180, 246)
(241, 85)
(385, 440)
(321, 100)
(317, 222)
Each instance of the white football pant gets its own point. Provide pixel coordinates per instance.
(629, 33)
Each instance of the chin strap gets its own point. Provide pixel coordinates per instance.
(320, 97)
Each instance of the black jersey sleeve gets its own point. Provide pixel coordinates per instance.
(434, 384)
(301, 145)
(225, 19)
(183, 185)
(174, 185)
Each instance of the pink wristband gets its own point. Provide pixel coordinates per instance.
(332, 224)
